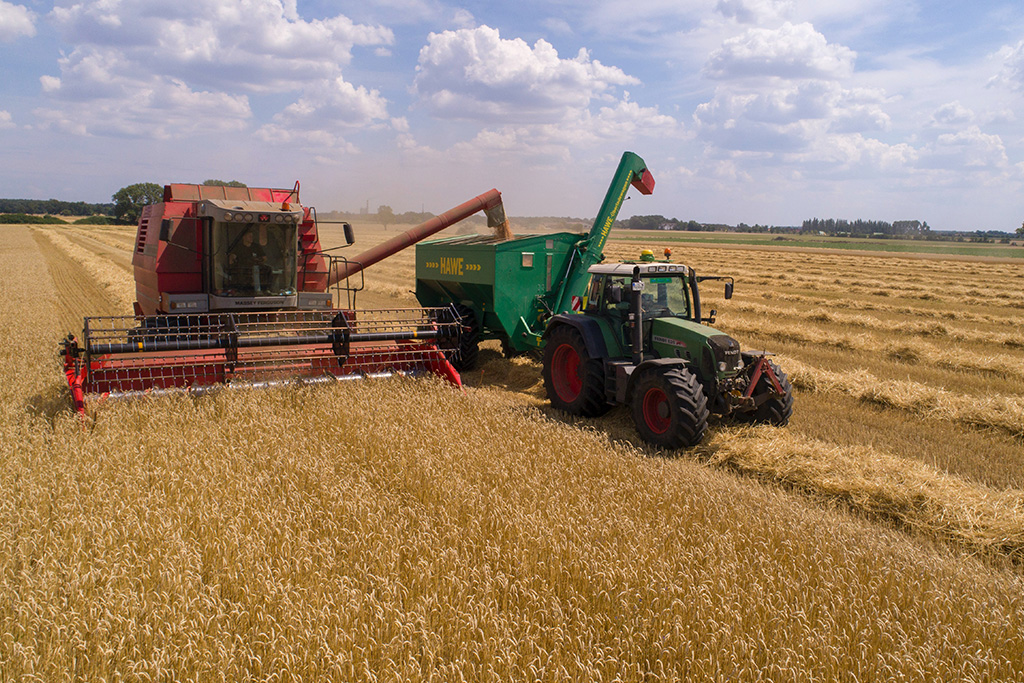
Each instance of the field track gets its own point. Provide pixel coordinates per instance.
(78, 293)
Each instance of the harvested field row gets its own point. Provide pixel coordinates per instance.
(875, 482)
(899, 349)
(992, 411)
(118, 282)
(119, 257)
(75, 288)
(942, 314)
(991, 285)
(122, 239)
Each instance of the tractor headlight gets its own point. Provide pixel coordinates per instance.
(721, 366)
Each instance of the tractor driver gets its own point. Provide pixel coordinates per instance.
(247, 263)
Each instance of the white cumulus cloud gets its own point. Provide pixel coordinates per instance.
(201, 60)
(791, 51)
(16, 21)
(475, 74)
(6, 121)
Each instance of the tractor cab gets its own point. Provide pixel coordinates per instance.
(667, 290)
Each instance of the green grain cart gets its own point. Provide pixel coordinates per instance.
(628, 333)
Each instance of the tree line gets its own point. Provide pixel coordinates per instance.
(656, 222)
(54, 207)
(834, 226)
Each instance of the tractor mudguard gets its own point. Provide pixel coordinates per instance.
(624, 389)
(589, 329)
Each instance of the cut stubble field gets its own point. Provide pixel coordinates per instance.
(400, 530)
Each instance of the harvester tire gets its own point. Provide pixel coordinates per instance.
(469, 342)
(669, 408)
(776, 410)
(574, 381)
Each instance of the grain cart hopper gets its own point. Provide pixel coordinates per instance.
(508, 289)
(234, 287)
(601, 346)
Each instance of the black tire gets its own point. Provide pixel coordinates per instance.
(776, 410)
(574, 381)
(469, 343)
(669, 408)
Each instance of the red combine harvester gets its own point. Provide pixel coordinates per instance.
(233, 287)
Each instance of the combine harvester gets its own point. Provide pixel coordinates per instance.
(629, 333)
(234, 288)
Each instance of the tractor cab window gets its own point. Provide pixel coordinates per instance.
(253, 259)
(665, 296)
(615, 295)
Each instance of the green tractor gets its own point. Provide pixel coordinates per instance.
(640, 340)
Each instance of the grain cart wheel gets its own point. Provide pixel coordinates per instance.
(776, 410)
(573, 380)
(469, 342)
(669, 408)
(510, 351)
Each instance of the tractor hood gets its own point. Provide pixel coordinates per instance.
(701, 344)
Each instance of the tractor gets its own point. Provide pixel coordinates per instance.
(640, 341)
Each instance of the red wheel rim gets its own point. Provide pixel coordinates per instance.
(565, 373)
(656, 410)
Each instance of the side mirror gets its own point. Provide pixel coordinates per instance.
(615, 294)
(711, 318)
(349, 236)
(728, 291)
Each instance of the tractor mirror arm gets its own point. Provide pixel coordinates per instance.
(729, 282)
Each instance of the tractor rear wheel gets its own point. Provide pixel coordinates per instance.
(469, 342)
(574, 381)
(777, 409)
(669, 408)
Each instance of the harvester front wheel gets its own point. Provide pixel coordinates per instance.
(777, 409)
(669, 408)
(574, 381)
(469, 342)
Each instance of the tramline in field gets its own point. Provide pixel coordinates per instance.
(234, 288)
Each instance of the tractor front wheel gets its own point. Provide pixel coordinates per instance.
(777, 409)
(669, 408)
(574, 381)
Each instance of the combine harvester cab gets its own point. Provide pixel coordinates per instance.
(233, 288)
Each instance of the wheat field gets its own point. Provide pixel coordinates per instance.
(401, 530)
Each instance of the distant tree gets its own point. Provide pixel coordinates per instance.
(229, 183)
(385, 215)
(129, 201)
(1020, 230)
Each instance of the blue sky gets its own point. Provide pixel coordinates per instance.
(755, 111)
